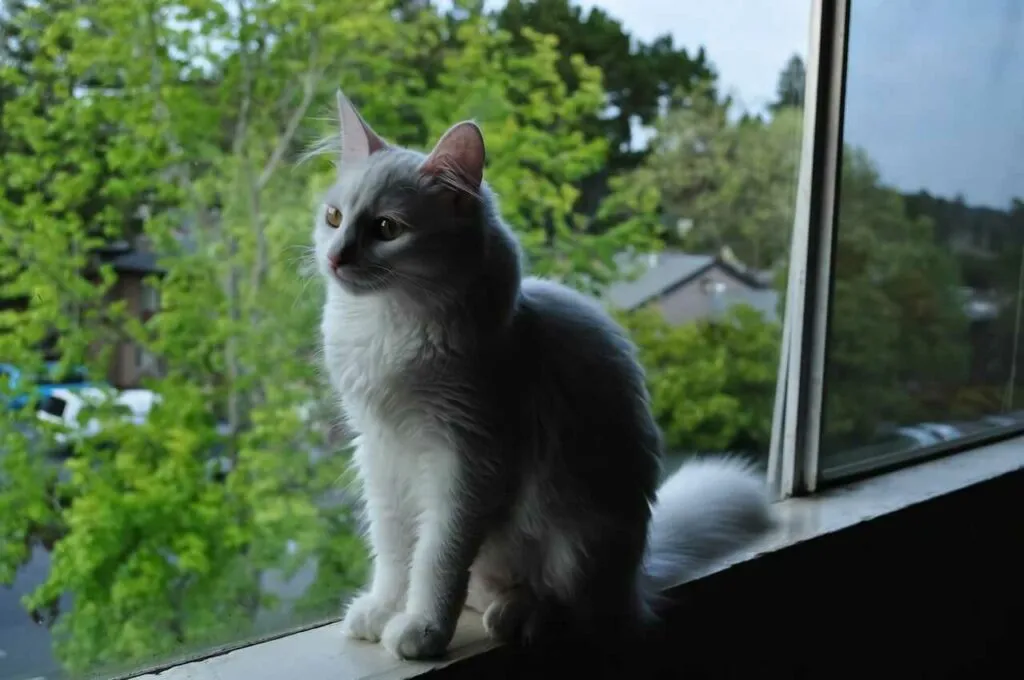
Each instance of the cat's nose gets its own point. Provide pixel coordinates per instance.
(344, 256)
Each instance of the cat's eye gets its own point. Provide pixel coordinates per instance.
(333, 217)
(388, 229)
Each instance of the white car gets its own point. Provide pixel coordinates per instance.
(63, 407)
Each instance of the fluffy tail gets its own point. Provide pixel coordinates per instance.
(710, 508)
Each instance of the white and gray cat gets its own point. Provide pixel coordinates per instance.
(506, 447)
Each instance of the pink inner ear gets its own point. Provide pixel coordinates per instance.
(460, 151)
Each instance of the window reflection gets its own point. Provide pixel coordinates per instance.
(926, 312)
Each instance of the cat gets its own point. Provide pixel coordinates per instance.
(505, 444)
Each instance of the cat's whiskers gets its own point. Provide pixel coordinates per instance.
(305, 264)
(420, 282)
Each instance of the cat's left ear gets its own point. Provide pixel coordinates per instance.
(458, 157)
(358, 140)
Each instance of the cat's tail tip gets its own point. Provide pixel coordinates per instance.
(711, 507)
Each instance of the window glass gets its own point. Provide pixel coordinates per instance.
(926, 307)
(645, 151)
(55, 406)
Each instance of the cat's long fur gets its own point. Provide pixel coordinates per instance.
(506, 445)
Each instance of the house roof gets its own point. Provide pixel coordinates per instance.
(137, 262)
(125, 258)
(670, 269)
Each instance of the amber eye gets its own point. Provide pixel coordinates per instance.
(333, 217)
(388, 229)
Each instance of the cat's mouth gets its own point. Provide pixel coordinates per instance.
(353, 280)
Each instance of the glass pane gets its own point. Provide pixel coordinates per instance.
(155, 238)
(926, 310)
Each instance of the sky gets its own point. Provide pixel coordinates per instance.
(935, 92)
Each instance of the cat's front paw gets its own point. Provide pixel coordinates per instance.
(366, 617)
(412, 636)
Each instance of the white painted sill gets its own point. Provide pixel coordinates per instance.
(322, 654)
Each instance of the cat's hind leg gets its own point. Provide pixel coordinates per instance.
(479, 596)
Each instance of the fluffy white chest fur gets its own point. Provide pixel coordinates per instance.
(367, 339)
(407, 469)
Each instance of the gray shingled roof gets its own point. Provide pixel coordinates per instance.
(671, 268)
(138, 262)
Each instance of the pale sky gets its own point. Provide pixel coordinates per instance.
(935, 92)
(749, 41)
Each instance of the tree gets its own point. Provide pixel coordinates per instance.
(156, 553)
(26, 69)
(789, 90)
(898, 329)
(639, 77)
(712, 382)
(733, 180)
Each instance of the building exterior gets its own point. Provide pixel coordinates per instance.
(688, 287)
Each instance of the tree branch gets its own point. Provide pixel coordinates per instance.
(309, 83)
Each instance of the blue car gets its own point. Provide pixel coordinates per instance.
(51, 379)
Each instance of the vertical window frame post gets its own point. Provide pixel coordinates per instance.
(800, 388)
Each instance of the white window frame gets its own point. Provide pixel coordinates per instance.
(799, 393)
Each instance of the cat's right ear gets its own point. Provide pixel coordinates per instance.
(358, 140)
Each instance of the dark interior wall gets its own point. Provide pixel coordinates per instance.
(932, 591)
(929, 592)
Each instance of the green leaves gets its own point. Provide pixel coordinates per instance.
(712, 382)
(898, 328)
(734, 181)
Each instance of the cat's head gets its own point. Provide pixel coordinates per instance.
(401, 222)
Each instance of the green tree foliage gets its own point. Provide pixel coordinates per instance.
(25, 57)
(789, 90)
(898, 329)
(712, 382)
(733, 181)
(186, 117)
(987, 245)
(639, 77)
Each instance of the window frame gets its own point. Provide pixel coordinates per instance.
(795, 467)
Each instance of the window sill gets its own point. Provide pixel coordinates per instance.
(322, 654)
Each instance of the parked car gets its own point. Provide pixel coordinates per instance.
(944, 431)
(51, 378)
(63, 407)
(920, 436)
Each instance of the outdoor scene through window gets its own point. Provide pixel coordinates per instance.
(173, 474)
(926, 313)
